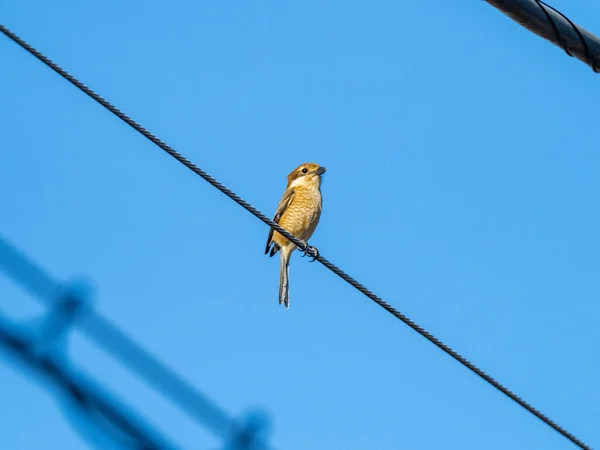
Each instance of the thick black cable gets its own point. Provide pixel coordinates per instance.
(299, 243)
(559, 39)
(551, 24)
(586, 48)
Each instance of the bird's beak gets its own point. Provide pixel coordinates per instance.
(321, 171)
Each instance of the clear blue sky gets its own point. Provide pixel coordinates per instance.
(462, 187)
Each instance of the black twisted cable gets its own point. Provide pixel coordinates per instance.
(299, 243)
(553, 25)
(559, 39)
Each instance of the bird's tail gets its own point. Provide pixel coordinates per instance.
(284, 289)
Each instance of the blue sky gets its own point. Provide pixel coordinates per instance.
(462, 187)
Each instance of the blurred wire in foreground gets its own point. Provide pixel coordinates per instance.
(36, 350)
(84, 397)
(549, 23)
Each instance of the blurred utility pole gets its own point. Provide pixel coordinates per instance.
(552, 25)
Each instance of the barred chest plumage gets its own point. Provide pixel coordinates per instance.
(304, 212)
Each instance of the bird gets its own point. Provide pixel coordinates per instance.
(298, 212)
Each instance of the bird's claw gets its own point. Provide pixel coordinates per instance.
(308, 249)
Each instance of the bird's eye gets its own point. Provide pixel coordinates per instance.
(304, 170)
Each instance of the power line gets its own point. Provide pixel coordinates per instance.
(299, 243)
(549, 23)
(68, 308)
(88, 400)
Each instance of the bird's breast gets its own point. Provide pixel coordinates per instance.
(303, 214)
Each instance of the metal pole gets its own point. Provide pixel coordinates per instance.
(552, 25)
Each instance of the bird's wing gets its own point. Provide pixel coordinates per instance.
(288, 195)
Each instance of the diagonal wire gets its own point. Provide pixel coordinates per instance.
(299, 243)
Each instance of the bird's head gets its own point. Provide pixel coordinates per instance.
(306, 174)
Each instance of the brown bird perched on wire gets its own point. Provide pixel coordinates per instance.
(298, 212)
